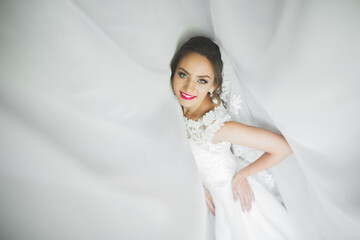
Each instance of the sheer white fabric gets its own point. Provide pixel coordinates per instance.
(236, 99)
(92, 140)
(290, 61)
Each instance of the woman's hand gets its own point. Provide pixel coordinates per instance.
(242, 190)
(209, 201)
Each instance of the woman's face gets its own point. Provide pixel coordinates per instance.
(193, 80)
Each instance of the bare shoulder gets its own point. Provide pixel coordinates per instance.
(246, 135)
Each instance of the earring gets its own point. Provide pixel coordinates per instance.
(211, 94)
(213, 99)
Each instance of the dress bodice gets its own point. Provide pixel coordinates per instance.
(215, 162)
(202, 131)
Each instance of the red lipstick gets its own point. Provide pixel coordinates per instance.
(186, 96)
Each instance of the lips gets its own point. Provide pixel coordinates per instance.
(186, 96)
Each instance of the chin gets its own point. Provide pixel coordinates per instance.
(187, 104)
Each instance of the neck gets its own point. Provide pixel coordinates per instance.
(198, 111)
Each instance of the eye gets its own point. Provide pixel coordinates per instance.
(203, 81)
(182, 75)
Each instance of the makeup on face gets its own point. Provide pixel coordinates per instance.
(193, 80)
(186, 96)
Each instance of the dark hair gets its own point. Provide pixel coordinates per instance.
(206, 47)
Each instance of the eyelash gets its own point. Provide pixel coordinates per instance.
(183, 75)
(205, 82)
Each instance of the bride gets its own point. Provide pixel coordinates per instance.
(241, 207)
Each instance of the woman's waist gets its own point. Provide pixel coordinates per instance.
(210, 160)
(216, 169)
(212, 178)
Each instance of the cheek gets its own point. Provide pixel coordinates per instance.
(205, 89)
(176, 84)
(204, 92)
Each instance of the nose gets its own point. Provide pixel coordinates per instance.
(189, 86)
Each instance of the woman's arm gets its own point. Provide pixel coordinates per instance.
(274, 145)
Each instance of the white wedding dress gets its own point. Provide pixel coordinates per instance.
(267, 219)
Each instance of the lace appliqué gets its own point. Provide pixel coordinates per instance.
(225, 87)
(234, 104)
(216, 167)
(203, 130)
(216, 162)
(233, 101)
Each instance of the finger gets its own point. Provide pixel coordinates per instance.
(244, 197)
(247, 199)
(244, 205)
(247, 189)
(251, 193)
(237, 194)
(249, 205)
(213, 209)
(242, 201)
(234, 190)
(212, 203)
(247, 202)
(210, 200)
(208, 197)
(252, 199)
(210, 207)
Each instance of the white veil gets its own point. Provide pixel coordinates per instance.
(82, 158)
(235, 97)
(299, 59)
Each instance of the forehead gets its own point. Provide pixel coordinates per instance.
(196, 64)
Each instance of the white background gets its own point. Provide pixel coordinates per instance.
(92, 144)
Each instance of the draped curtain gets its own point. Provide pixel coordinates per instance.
(92, 143)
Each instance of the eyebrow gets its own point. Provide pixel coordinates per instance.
(202, 76)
